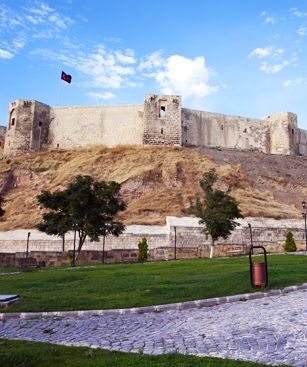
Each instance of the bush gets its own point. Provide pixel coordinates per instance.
(290, 245)
(143, 250)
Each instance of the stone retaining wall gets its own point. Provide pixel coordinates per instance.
(180, 236)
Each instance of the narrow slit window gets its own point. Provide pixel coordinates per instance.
(13, 121)
(58, 145)
(222, 127)
(40, 124)
(292, 131)
(162, 111)
(162, 130)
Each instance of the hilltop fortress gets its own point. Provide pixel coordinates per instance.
(34, 126)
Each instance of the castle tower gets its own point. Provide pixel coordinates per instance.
(28, 127)
(283, 133)
(162, 120)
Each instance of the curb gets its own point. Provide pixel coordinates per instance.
(158, 308)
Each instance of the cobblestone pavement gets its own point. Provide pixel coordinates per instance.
(270, 330)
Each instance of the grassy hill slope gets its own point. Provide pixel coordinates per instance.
(156, 181)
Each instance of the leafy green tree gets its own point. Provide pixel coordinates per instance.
(57, 222)
(87, 206)
(143, 250)
(217, 211)
(290, 245)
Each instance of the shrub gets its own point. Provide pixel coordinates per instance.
(290, 245)
(143, 250)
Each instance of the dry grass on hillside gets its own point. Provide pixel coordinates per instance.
(156, 181)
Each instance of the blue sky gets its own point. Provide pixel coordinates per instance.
(245, 58)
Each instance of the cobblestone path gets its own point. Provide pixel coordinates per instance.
(270, 330)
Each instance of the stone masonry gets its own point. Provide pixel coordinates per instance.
(34, 126)
(183, 233)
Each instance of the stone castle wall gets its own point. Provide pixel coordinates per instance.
(162, 120)
(302, 142)
(283, 133)
(73, 127)
(28, 127)
(34, 126)
(208, 129)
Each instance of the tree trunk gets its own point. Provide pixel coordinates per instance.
(82, 237)
(212, 249)
(63, 242)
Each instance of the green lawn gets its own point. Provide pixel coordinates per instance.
(131, 285)
(29, 354)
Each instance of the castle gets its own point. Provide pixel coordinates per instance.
(34, 126)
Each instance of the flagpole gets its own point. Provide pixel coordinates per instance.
(59, 92)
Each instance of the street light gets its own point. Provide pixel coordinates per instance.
(304, 213)
(27, 250)
(75, 227)
(251, 236)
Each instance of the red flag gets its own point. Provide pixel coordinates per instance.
(66, 77)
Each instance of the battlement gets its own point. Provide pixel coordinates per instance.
(35, 126)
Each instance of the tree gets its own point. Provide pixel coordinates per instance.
(143, 250)
(87, 206)
(56, 222)
(217, 211)
(290, 245)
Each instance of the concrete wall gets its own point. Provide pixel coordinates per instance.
(216, 130)
(162, 120)
(81, 126)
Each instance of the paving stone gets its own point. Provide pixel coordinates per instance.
(271, 330)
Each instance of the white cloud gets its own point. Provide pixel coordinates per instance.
(5, 54)
(270, 20)
(187, 77)
(266, 51)
(104, 95)
(112, 39)
(294, 82)
(42, 13)
(126, 57)
(151, 61)
(19, 26)
(302, 31)
(273, 69)
(102, 66)
(263, 14)
(299, 14)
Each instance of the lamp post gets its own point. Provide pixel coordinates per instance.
(175, 249)
(75, 227)
(304, 213)
(251, 236)
(27, 250)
